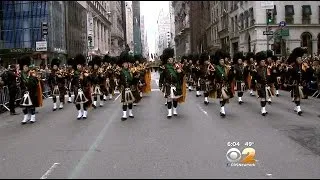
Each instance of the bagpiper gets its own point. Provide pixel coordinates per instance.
(296, 76)
(126, 84)
(251, 67)
(70, 72)
(222, 80)
(238, 71)
(31, 88)
(172, 81)
(81, 86)
(207, 77)
(261, 79)
(97, 79)
(57, 81)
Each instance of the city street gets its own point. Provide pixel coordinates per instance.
(191, 145)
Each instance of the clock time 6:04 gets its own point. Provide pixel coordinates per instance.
(232, 144)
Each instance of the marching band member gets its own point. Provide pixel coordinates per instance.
(172, 80)
(238, 72)
(161, 71)
(251, 66)
(207, 76)
(295, 76)
(223, 81)
(57, 83)
(109, 78)
(81, 86)
(198, 74)
(261, 78)
(31, 88)
(70, 72)
(276, 72)
(126, 83)
(97, 80)
(271, 76)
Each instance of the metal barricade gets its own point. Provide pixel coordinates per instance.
(4, 97)
(4, 94)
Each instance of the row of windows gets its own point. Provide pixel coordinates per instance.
(22, 23)
(21, 35)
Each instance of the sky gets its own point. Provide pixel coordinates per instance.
(150, 10)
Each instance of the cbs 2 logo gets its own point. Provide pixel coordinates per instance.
(234, 155)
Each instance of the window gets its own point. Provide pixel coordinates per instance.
(289, 12)
(236, 23)
(232, 26)
(274, 15)
(246, 19)
(251, 17)
(241, 21)
(306, 13)
(319, 14)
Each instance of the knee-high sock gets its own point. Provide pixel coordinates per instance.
(124, 107)
(169, 104)
(78, 106)
(222, 103)
(263, 103)
(175, 103)
(130, 106)
(54, 99)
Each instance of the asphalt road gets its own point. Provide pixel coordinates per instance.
(191, 145)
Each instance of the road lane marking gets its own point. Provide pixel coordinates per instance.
(45, 176)
(117, 98)
(155, 89)
(87, 156)
(201, 109)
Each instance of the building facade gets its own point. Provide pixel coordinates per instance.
(199, 21)
(182, 36)
(21, 27)
(142, 29)
(164, 33)
(118, 28)
(136, 27)
(248, 21)
(172, 29)
(98, 27)
(76, 28)
(129, 25)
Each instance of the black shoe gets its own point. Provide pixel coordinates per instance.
(277, 95)
(23, 123)
(197, 95)
(206, 102)
(95, 107)
(84, 117)
(263, 114)
(165, 104)
(123, 119)
(54, 109)
(13, 113)
(300, 113)
(190, 90)
(222, 114)
(69, 102)
(240, 102)
(269, 102)
(79, 118)
(131, 116)
(169, 117)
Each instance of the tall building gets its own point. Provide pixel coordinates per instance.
(76, 27)
(199, 21)
(136, 27)
(182, 36)
(129, 25)
(142, 29)
(118, 29)
(247, 20)
(164, 34)
(21, 27)
(99, 27)
(172, 29)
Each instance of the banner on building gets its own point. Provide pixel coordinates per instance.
(90, 30)
(41, 46)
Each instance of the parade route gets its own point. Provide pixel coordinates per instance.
(191, 145)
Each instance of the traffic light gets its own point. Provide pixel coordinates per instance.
(44, 29)
(269, 17)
